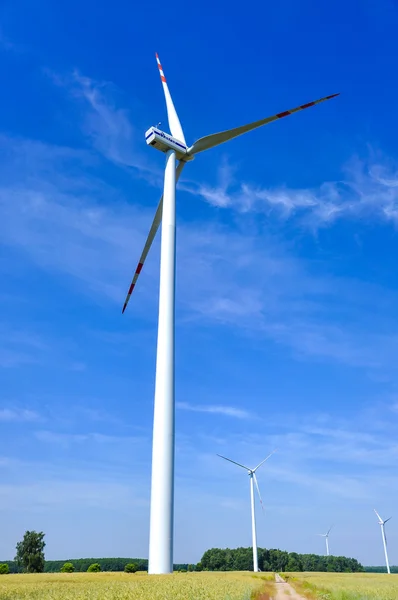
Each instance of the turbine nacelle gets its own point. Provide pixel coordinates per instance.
(164, 142)
(325, 535)
(381, 522)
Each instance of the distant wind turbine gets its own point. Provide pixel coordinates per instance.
(383, 535)
(253, 481)
(326, 536)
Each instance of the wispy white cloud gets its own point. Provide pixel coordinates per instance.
(217, 195)
(253, 283)
(68, 412)
(63, 222)
(321, 341)
(55, 437)
(24, 338)
(58, 217)
(20, 348)
(60, 493)
(107, 126)
(78, 367)
(368, 189)
(19, 415)
(229, 411)
(12, 358)
(350, 458)
(8, 45)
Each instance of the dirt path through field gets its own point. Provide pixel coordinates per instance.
(284, 591)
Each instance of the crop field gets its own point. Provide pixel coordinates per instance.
(344, 586)
(138, 586)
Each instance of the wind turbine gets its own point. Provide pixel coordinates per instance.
(383, 535)
(175, 148)
(253, 481)
(326, 536)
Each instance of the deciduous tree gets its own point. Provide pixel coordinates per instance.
(30, 552)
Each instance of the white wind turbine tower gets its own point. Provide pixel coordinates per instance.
(326, 536)
(383, 535)
(253, 481)
(175, 148)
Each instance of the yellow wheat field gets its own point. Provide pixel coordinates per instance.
(138, 586)
(345, 586)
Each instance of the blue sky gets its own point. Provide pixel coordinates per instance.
(287, 286)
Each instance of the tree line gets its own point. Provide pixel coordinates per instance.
(241, 559)
(217, 559)
(106, 564)
(30, 559)
(380, 569)
(82, 565)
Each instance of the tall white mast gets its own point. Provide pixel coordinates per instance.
(162, 489)
(254, 534)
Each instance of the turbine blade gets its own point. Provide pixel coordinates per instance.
(148, 243)
(235, 463)
(174, 121)
(263, 461)
(387, 520)
(380, 519)
(329, 530)
(258, 490)
(215, 139)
